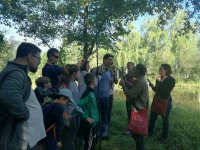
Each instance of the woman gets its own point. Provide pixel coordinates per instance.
(164, 85)
(138, 97)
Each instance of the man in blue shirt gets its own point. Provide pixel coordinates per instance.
(106, 77)
(50, 69)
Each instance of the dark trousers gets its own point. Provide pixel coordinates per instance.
(165, 120)
(88, 135)
(128, 109)
(139, 140)
(110, 109)
(69, 134)
(104, 108)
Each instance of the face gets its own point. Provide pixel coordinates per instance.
(77, 75)
(130, 66)
(162, 72)
(33, 62)
(47, 85)
(63, 100)
(87, 67)
(108, 62)
(54, 58)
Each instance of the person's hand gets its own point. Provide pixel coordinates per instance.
(90, 120)
(59, 144)
(121, 82)
(159, 78)
(66, 115)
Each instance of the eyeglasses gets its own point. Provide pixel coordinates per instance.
(39, 58)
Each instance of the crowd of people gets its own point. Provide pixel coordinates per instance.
(71, 106)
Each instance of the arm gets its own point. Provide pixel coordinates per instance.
(58, 119)
(11, 92)
(53, 70)
(81, 103)
(134, 91)
(166, 87)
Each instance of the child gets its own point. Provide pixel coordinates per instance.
(43, 89)
(53, 119)
(90, 115)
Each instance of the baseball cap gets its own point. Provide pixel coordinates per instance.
(66, 93)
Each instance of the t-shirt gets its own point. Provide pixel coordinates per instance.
(33, 128)
(53, 72)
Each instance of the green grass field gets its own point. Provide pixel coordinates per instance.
(184, 132)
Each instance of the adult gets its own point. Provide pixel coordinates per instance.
(106, 77)
(129, 78)
(52, 70)
(21, 121)
(163, 88)
(138, 96)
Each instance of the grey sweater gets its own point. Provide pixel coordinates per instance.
(15, 88)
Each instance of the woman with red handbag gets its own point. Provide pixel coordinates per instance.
(138, 97)
(162, 102)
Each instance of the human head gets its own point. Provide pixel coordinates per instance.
(90, 79)
(165, 70)
(43, 82)
(53, 55)
(64, 96)
(108, 60)
(140, 70)
(30, 55)
(130, 66)
(85, 66)
(74, 71)
(64, 79)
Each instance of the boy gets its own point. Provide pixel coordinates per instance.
(53, 119)
(90, 115)
(43, 89)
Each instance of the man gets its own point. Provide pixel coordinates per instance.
(50, 69)
(106, 76)
(21, 121)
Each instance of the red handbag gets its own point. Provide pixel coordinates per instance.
(159, 106)
(139, 122)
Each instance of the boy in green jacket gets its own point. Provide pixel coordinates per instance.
(90, 115)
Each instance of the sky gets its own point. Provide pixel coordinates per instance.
(11, 32)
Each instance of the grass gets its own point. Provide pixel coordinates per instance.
(184, 132)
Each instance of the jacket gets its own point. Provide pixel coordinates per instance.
(89, 105)
(138, 94)
(15, 86)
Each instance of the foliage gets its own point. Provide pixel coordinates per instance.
(7, 50)
(81, 21)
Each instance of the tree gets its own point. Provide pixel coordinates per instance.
(76, 21)
(7, 50)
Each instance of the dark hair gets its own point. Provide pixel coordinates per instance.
(130, 63)
(84, 65)
(41, 81)
(51, 52)
(73, 68)
(26, 48)
(141, 69)
(65, 78)
(167, 68)
(89, 78)
(106, 56)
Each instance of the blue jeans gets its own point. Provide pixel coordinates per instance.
(104, 109)
(165, 120)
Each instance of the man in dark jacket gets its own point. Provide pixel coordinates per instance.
(15, 89)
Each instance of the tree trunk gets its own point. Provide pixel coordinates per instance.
(85, 32)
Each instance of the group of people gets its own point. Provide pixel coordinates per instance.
(135, 88)
(71, 105)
